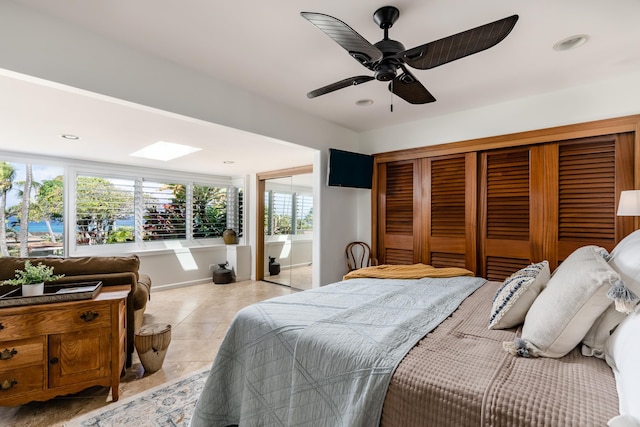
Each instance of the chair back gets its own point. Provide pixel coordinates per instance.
(359, 256)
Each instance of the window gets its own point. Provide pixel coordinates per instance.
(215, 209)
(304, 214)
(108, 206)
(288, 213)
(104, 210)
(31, 194)
(111, 210)
(165, 211)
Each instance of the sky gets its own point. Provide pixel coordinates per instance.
(40, 173)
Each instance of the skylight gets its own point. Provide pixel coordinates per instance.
(164, 151)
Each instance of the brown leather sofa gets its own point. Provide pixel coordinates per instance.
(111, 270)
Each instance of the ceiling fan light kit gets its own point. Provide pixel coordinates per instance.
(386, 57)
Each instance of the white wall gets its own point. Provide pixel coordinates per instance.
(171, 268)
(611, 98)
(47, 48)
(607, 99)
(181, 267)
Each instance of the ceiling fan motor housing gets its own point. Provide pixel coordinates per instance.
(386, 69)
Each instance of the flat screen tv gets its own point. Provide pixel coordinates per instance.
(347, 169)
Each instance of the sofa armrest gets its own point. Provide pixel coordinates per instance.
(144, 290)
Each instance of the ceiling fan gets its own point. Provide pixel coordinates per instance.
(388, 56)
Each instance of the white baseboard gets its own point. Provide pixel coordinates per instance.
(179, 285)
(167, 286)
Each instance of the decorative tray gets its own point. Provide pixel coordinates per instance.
(11, 296)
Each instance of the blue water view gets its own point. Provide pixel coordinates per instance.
(38, 227)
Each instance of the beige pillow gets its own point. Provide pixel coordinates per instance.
(517, 293)
(565, 310)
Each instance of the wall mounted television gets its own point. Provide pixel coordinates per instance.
(347, 169)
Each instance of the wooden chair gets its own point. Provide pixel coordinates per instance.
(359, 255)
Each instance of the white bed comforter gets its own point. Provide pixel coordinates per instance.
(323, 357)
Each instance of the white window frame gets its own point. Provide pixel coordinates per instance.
(73, 168)
(139, 244)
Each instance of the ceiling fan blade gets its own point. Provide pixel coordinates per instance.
(407, 87)
(459, 45)
(357, 46)
(351, 81)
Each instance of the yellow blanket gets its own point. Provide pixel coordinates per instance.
(414, 271)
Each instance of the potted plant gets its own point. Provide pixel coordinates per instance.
(32, 278)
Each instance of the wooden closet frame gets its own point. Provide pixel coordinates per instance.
(554, 134)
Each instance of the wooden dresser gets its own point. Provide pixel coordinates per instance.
(48, 350)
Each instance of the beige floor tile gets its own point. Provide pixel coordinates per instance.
(199, 317)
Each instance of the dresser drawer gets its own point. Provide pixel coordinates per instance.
(21, 353)
(15, 382)
(44, 322)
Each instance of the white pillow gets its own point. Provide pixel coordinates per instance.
(624, 421)
(595, 341)
(517, 293)
(568, 306)
(625, 259)
(623, 355)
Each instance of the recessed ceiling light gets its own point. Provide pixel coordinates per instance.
(69, 136)
(164, 151)
(571, 42)
(228, 162)
(364, 102)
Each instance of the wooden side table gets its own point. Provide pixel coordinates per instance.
(48, 350)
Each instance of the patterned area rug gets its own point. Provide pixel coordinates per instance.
(169, 404)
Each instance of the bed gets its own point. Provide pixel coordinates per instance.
(418, 352)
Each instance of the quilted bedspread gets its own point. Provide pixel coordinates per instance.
(323, 357)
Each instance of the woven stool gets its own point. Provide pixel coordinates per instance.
(152, 342)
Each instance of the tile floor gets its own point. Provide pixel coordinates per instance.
(199, 316)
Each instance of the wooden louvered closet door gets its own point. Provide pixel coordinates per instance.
(505, 211)
(539, 196)
(449, 217)
(545, 201)
(591, 174)
(399, 200)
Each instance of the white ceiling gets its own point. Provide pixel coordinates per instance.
(269, 49)
(110, 130)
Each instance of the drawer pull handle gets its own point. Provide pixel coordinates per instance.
(54, 360)
(7, 354)
(7, 385)
(1, 326)
(88, 316)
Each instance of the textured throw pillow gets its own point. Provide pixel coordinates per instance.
(517, 293)
(625, 259)
(622, 352)
(565, 310)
